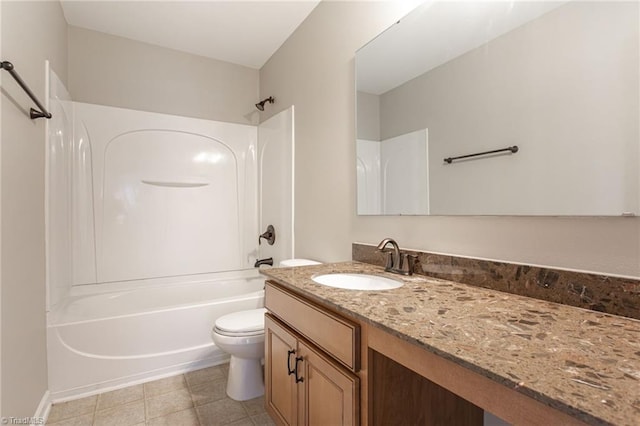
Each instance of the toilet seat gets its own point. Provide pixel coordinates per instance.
(241, 324)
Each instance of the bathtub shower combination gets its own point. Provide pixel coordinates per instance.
(152, 225)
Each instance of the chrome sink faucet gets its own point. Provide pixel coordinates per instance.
(397, 262)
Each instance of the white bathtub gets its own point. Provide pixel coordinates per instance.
(107, 340)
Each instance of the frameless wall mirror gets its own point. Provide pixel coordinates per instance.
(552, 86)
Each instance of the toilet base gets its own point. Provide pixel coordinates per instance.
(246, 379)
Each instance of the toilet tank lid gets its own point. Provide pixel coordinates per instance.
(242, 321)
(297, 262)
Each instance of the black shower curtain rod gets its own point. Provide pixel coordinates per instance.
(33, 113)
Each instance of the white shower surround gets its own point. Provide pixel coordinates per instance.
(171, 195)
(152, 224)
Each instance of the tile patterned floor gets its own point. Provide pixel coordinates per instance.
(197, 398)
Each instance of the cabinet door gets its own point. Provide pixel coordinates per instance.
(280, 386)
(328, 394)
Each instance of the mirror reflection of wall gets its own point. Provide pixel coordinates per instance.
(560, 80)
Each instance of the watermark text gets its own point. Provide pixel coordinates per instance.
(22, 420)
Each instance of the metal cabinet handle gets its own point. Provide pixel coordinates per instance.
(289, 370)
(295, 370)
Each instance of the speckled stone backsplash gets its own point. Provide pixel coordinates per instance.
(613, 295)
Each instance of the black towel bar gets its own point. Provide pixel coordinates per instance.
(33, 113)
(513, 149)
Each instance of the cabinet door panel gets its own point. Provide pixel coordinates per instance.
(280, 387)
(328, 394)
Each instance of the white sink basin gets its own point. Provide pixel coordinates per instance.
(357, 281)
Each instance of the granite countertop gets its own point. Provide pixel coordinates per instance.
(581, 362)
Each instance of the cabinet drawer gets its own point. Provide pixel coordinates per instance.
(335, 335)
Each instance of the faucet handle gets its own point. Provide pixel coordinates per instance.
(269, 235)
(389, 265)
(407, 262)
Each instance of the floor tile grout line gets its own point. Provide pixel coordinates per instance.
(244, 407)
(95, 411)
(144, 403)
(145, 398)
(192, 401)
(174, 390)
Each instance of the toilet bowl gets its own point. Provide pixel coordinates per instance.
(241, 335)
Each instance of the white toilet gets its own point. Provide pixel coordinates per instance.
(241, 335)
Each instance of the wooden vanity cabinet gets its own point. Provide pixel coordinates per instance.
(304, 383)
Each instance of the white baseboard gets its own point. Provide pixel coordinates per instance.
(42, 412)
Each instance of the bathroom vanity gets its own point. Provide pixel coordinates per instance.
(311, 363)
(440, 352)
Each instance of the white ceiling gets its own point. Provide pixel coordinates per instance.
(236, 31)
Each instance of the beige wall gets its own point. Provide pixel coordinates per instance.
(31, 33)
(115, 71)
(314, 70)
